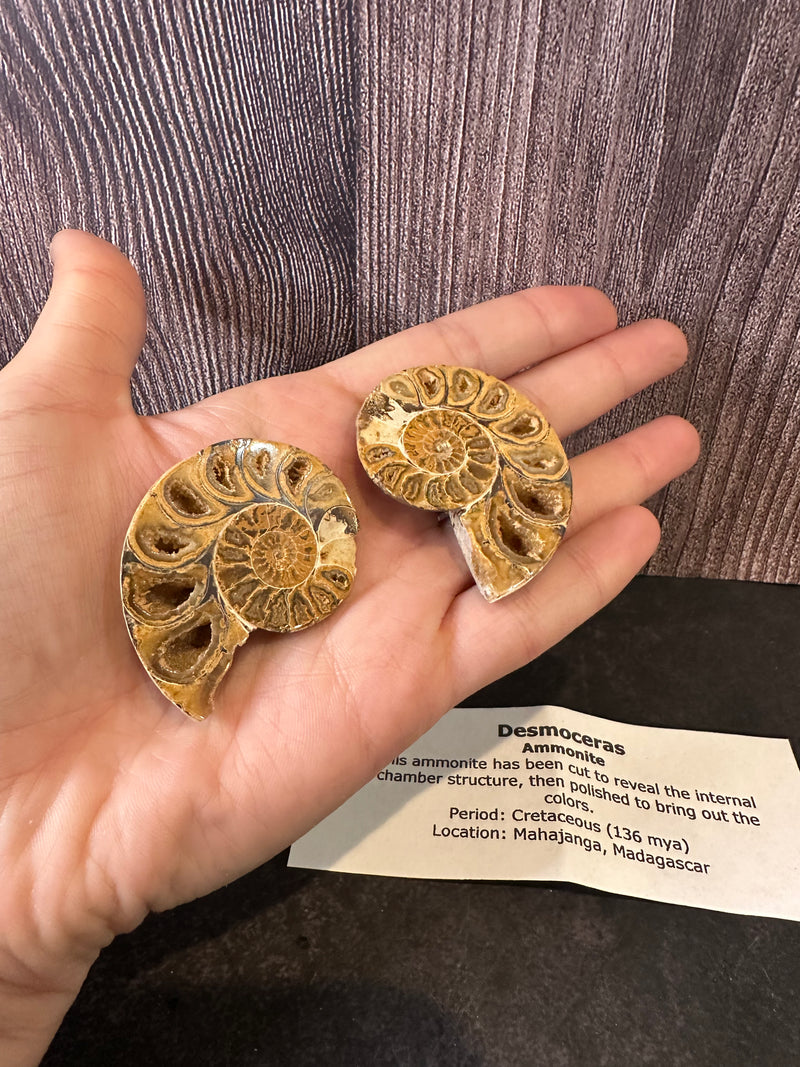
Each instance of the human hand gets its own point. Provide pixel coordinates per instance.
(112, 803)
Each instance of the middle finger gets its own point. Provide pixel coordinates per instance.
(576, 387)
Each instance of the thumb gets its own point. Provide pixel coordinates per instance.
(87, 339)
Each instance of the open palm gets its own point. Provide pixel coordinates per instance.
(112, 802)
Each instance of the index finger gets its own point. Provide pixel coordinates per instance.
(501, 336)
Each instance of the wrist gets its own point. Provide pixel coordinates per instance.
(33, 1004)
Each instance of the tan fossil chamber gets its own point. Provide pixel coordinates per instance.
(243, 535)
(458, 440)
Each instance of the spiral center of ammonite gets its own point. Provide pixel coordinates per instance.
(286, 553)
(439, 440)
(278, 540)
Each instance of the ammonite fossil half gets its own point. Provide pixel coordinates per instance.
(244, 534)
(458, 440)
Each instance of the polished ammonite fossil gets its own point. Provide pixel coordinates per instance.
(243, 535)
(458, 440)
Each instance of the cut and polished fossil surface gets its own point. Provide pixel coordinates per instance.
(457, 440)
(243, 535)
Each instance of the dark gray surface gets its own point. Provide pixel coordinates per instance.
(296, 967)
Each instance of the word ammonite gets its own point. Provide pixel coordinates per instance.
(457, 440)
(244, 535)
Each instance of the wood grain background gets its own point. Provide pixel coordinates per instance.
(293, 178)
(215, 144)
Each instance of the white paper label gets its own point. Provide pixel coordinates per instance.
(702, 819)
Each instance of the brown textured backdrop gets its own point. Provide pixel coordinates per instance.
(215, 144)
(295, 178)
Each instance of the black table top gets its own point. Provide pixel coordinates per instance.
(290, 966)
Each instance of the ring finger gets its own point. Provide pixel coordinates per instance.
(631, 468)
(625, 471)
